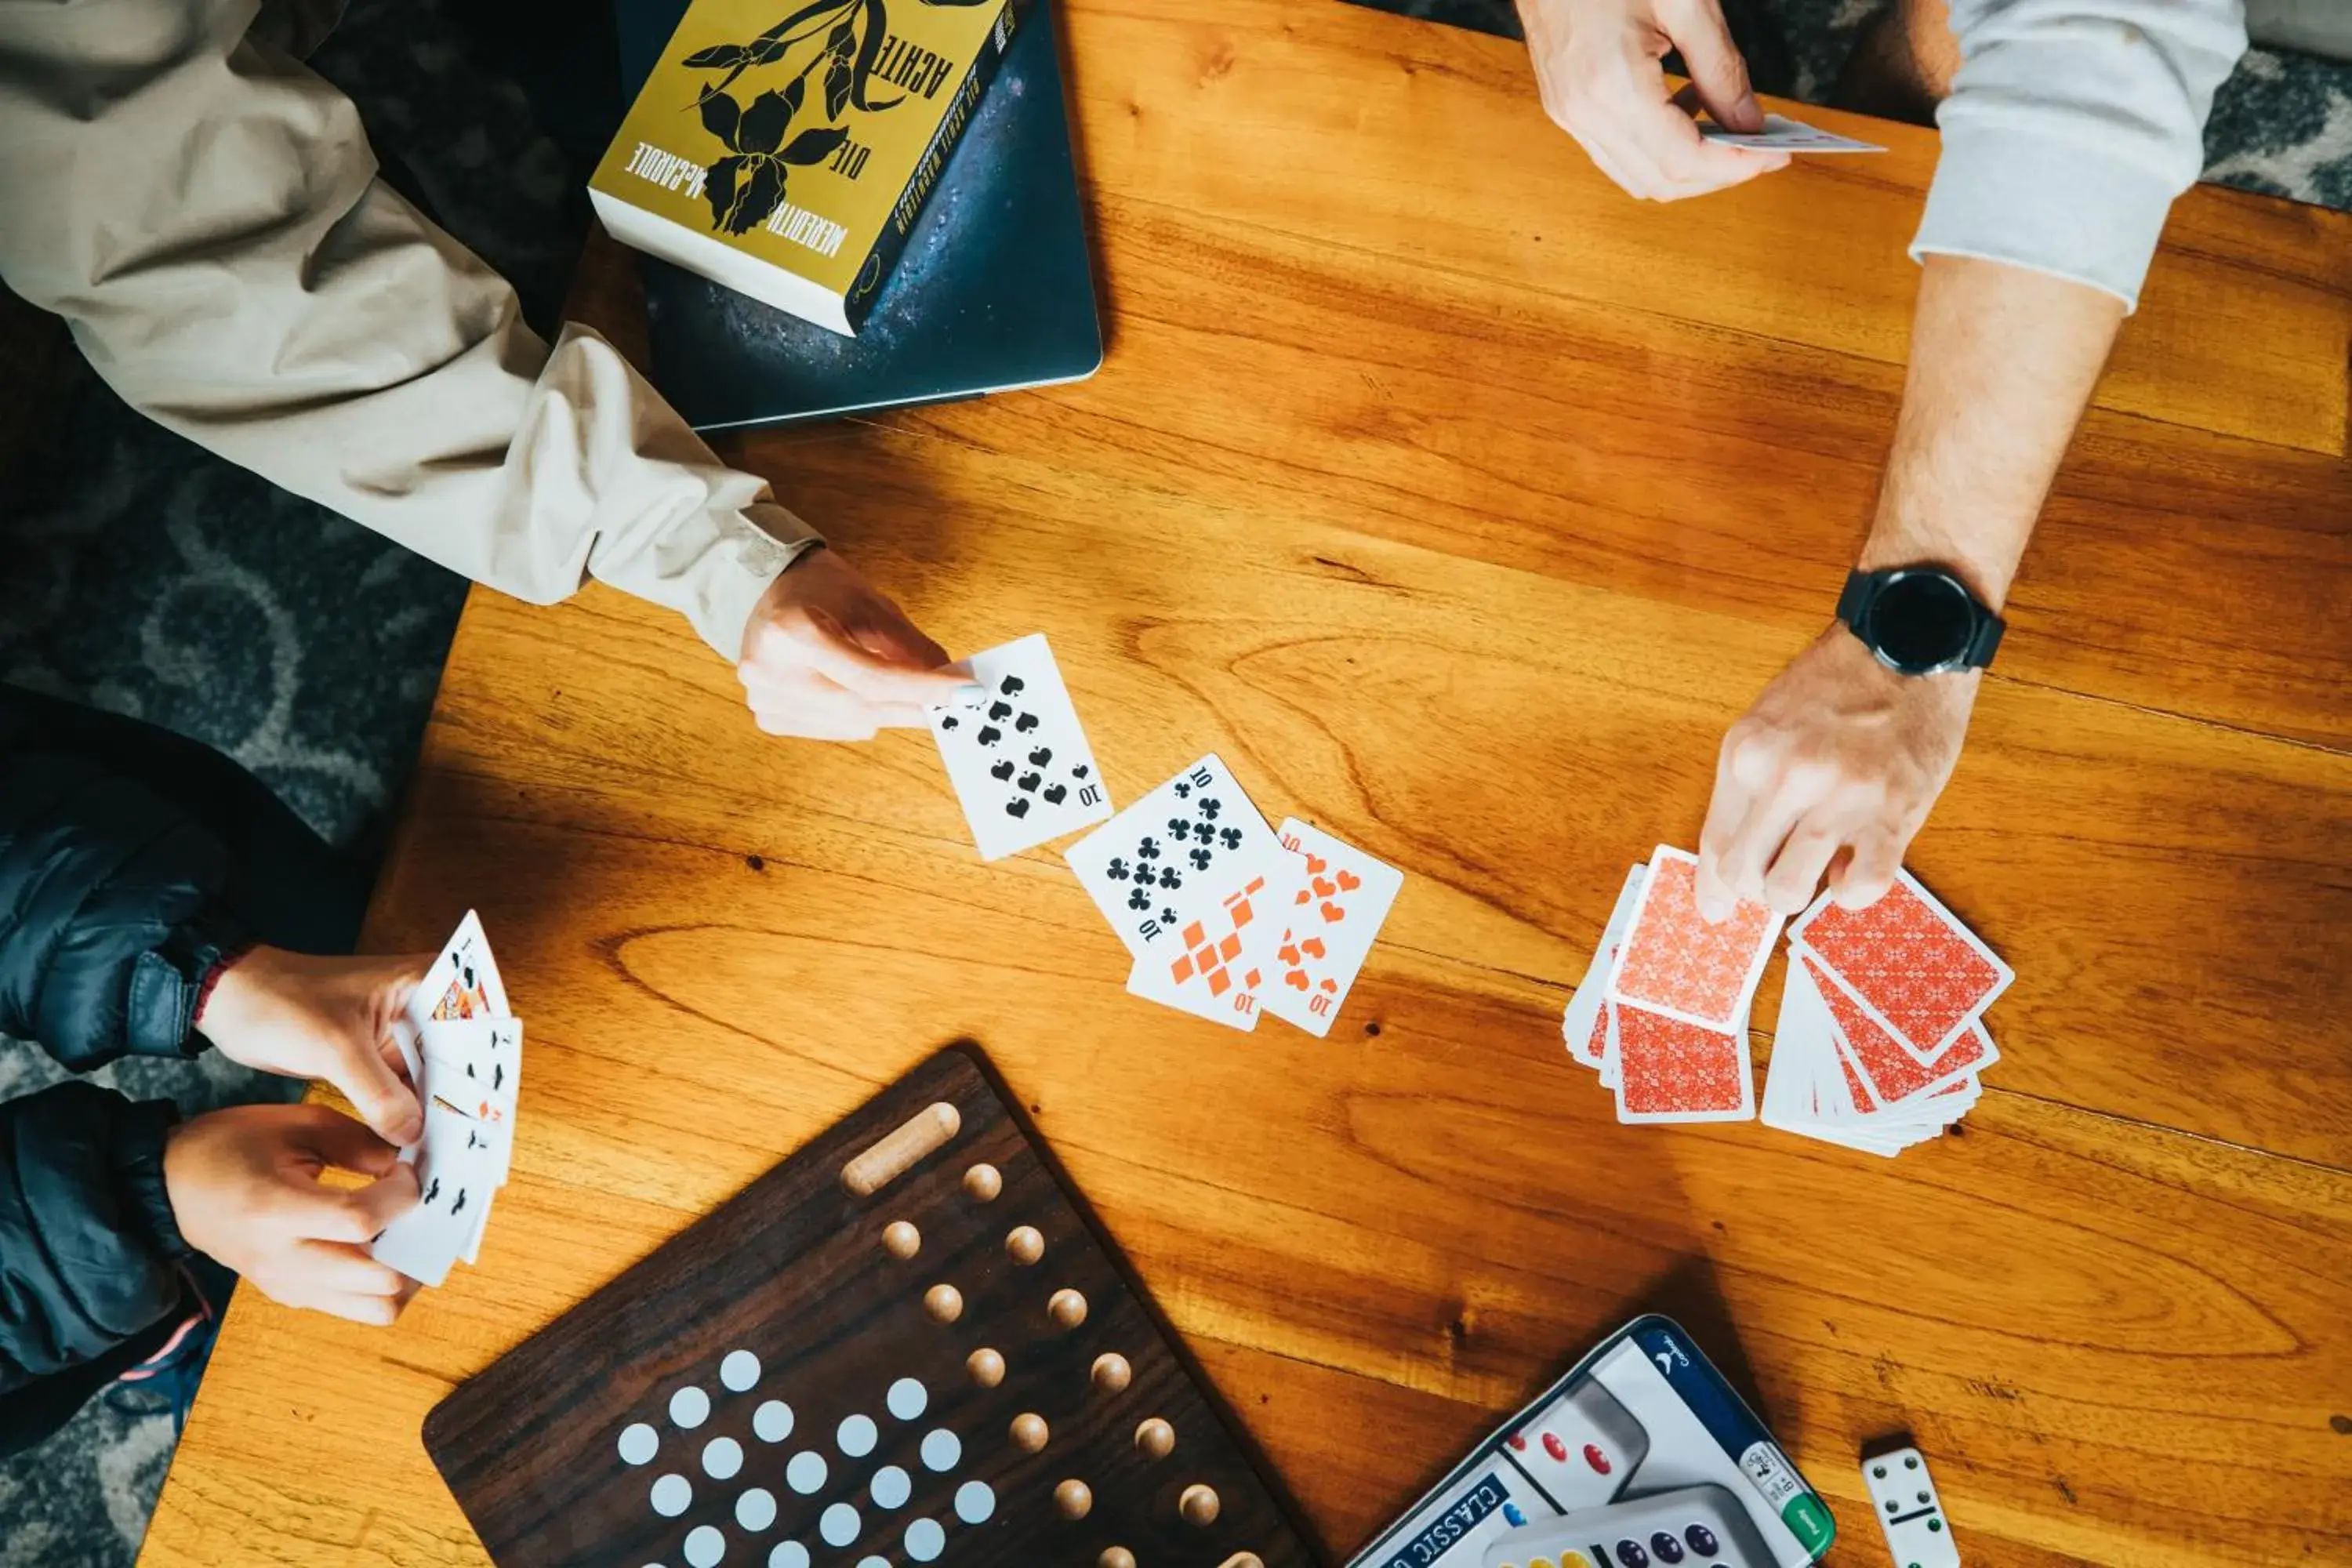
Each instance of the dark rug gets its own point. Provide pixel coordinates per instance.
(146, 577)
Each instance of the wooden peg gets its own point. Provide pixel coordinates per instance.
(925, 1133)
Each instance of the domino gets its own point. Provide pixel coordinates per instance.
(1902, 1496)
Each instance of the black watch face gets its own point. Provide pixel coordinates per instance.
(1920, 621)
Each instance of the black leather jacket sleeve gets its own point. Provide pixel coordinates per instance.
(89, 1253)
(109, 912)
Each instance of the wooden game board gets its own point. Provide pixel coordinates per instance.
(908, 1342)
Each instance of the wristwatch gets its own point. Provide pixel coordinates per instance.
(1919, 620)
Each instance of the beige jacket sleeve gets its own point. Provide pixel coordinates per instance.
(203, 212)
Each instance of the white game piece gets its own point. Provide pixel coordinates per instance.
(926, 1540)
(689, 1407)
(806, 1473)
(838, 1524)
(1904, 1497)
(721, 1457)
(705, 1546)
(773, 1422)
(974, 1502)
(874, 1562)
(907, 1399)
(756, 1508)
(892, 1487)
(789, 1554)
(857, 1434)
(639, 1442)
(941, 1450)
(740, 1371)
(671, 1496)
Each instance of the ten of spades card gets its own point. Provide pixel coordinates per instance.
(1019, 760)
(1174, 857)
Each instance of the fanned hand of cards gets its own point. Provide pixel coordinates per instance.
(1225, 919)
(463, 1046)
(1879, 1043)
(1663, 1012)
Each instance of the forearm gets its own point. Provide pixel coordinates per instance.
(2070, 127)
(2003, 360)
(205, 212)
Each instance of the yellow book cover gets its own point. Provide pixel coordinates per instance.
(788, 158)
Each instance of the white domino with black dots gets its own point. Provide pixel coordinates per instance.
(681, 1466)
(1902, 1496)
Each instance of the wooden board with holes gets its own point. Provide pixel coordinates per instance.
(908, 1343)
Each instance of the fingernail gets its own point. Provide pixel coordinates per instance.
(969, 692)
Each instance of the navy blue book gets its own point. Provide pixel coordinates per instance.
(994, 291)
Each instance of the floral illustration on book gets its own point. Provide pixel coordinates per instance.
(761, 144)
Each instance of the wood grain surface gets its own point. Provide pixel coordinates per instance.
(1460, 503)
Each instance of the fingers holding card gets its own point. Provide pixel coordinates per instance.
(1019, 760)
(463, 1049)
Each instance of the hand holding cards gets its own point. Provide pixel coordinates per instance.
(463, 1049)
(1878, 1045)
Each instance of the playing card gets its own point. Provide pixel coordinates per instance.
(1019, 760)
(1890, 1075)
(1782, 134)
(463, 980)
(1175, 857)
(456, 1162)
(1225, 961)
(475, 1065)
(1334, 916)
(462, 983)
(1581, 1025)
(1669, 1069)
(1813, 1088)
(1914, 968)
(1673, 961)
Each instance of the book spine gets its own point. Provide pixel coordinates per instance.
(884, 257)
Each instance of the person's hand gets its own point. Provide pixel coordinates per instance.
(1597, 62)
(245, 1188)
(328, 1018)
(826, 656)
(1831, 773)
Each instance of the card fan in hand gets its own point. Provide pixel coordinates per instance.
(908, 1343)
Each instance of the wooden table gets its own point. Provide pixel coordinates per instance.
(1460, 503)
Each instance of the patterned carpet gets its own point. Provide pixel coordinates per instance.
(146, 577)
